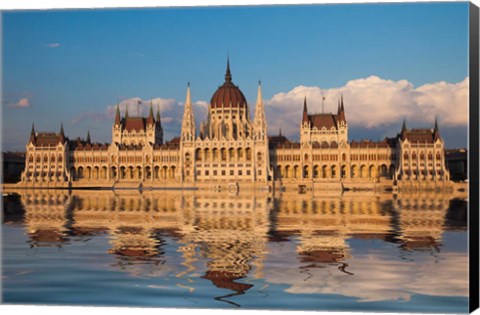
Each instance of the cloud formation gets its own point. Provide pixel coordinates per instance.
(374, 102)
(24, 102)
(53, 45)
(375, 108)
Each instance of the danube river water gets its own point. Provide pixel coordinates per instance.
(405, 253)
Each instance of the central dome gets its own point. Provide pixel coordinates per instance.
(228, 95)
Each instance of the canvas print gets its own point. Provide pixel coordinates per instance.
(300, 157)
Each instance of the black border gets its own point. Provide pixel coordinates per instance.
(473, 159)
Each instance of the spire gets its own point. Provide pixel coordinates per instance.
(403, 133)
(280, 132)
(305, 111)
(158, 118)
(228, 74)
(436, 131)
(62, 134)
(404, 125)
(117, 115)
(126, 111)
(188, 99)
(88, 136)
(338, 107)
(150, 119)
(259, 92)
(260, 122)
(341, 114)
(32, 134)
(188, 122)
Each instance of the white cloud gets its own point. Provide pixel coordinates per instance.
(371, 103)
(53, 45)
(374, 102)
(24, 102)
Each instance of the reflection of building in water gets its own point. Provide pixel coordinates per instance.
(230, 232)
(324, 225)
(225, 239)
(46, 216)
(421, 220)
(131, 218)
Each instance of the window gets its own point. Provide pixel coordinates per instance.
(223, 173)
(248, 172)
(207, 173)
(231, 173)
(240, 173)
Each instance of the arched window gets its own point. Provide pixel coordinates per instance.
(249, 154)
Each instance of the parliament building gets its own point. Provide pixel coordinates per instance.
(229, 151)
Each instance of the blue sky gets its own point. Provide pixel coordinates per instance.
(68, 66)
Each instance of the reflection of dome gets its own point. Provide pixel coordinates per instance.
(228, 95)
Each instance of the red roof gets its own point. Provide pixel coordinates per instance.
(228, 95)
(323, 120)
(135, 123)
(419, 135)
(47, 139)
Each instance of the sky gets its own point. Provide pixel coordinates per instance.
(390, 61)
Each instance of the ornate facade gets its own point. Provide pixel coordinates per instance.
(229, 150)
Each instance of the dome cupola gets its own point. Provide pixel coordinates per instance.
(228, 95)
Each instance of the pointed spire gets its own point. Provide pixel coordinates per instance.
(188, 122)
(88, 136)
(150, 119)
(341, 114)
(117, 115)
(126, 111)
(32, 134)
(338, 107)
(158, 118)
(62, 134)
(305, 111)
(260, 121)
(188, 99)
(436, 131)
(403, 133)
(228, 74)
(280, 132)
(259, 92)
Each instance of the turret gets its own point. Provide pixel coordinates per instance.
(436, 131)
(117, 116)
(88, 137)
(62, 134)
(260, 122)
(305, 111)
(341, 113)
(188, 123)
(158, 118)
(404, 130)
(150, 119)
(32, 135)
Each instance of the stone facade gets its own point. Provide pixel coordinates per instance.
(229, 151)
